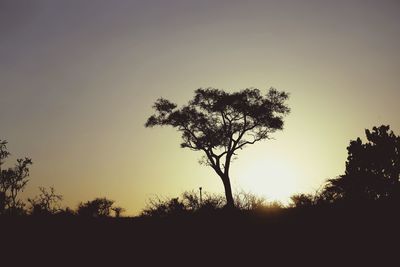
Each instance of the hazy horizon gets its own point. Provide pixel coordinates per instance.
(79, 79)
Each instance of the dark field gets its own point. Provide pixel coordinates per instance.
(316, 236)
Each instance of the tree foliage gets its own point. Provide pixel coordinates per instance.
(219, 123)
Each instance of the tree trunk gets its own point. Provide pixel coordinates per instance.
(228, 192)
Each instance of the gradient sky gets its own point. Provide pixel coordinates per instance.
(78, 79)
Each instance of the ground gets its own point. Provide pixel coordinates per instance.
(299, 236)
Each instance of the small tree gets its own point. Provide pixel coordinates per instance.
(12, 181)
(220, 123)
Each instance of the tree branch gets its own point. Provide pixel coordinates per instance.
(248, 143)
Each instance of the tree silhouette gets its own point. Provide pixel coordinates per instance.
(220, 123)
(12, 181)
(372, 169)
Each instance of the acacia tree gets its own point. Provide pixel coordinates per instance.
(221, 123)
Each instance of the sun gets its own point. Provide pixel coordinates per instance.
(276, 180)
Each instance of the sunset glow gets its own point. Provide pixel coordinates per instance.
(275, 180)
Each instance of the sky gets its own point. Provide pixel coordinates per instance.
(78, 80)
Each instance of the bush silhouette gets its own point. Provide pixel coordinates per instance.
(189, 203)
(250, 202)
(157, 207)
(302, 200)
(99, 207)
(46, 203)
(118, 211)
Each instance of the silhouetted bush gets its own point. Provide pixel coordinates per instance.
(99, 207)
(3, 202)
(212, 202)
(190, 203)
(302, 200)
(66, 212)
(157, 207)
(46, 203)
(118, 211)
(208, 202)
(248, 201)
